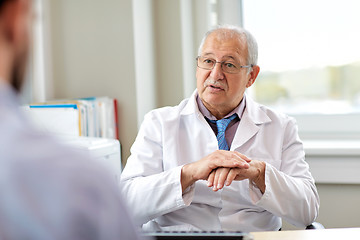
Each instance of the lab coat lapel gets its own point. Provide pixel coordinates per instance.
(250, 124)
(203, 133)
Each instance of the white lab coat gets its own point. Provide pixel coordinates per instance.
(170, 137)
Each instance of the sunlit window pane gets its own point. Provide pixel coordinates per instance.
(309, 54)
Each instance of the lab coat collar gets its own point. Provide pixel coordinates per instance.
(255, 112)
(252, 111)
(191, 106)
(254, 116)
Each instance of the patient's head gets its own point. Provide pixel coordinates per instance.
(15, 32)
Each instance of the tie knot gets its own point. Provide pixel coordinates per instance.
(223, 123)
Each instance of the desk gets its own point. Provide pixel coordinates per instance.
(328, 234)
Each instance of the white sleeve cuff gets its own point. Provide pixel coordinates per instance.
(186, 197)
(255, 194)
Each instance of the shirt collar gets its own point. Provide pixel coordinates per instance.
(239, 110)
(8, 96)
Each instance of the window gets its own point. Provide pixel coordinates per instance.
(309, 57)
(38, 68)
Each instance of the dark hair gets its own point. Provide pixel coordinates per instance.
(2, 2)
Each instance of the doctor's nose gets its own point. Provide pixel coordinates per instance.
(217, 72)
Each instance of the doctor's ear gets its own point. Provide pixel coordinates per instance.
(253, 75)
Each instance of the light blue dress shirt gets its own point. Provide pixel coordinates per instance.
(49, 191)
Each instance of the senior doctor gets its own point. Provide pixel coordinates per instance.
(219, 160)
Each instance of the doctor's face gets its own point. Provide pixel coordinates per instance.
(220, 91)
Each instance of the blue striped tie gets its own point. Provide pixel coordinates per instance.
(221, 127)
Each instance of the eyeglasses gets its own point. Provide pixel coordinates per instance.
(228, 67)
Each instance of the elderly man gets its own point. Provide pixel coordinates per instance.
(218, 160)
(48, 191)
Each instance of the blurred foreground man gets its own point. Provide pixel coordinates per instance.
(219, 160)
(47, 190)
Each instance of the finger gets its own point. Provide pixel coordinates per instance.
(242, 156)
(216, 176)
(242, 163)
(231, 176)
(228, 159)
(222, 177)
(210, 179)
(218, 159)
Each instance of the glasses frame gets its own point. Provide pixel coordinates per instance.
(222, 64)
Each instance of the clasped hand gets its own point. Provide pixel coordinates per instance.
(221, 168)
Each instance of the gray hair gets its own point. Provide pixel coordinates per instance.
(241, 34)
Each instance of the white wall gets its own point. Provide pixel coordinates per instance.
(339, 206)
(93, 55)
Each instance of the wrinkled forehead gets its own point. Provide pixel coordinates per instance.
(227, 41)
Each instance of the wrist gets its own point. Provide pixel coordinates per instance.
(186, 177)
(259, 179)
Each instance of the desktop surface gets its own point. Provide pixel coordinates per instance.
(314, 234)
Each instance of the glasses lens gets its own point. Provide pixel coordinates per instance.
(206, 63)
(229, 67)
(209, 63)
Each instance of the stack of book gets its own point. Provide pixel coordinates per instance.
(90, 117)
